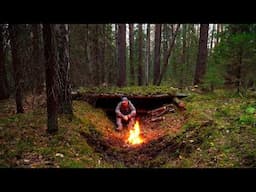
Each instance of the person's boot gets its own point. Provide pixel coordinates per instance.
(119, 128)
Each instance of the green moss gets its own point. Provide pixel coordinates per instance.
(141, 90)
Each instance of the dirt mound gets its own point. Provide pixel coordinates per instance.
(157, 137)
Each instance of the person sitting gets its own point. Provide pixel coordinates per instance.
(125, 113)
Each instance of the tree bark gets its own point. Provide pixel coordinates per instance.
(140, 67)
(218, 33)
(212, 38)
(4, 87)
(63, 59)
(147, 55)
(51, 73)
(131, 43)
(15, 31)
(95, 54)
(157, 53)
(122, 54)
(37, 58)
(102, 53)
(183, 55)
(202, 54)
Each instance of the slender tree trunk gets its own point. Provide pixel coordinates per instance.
(4, 87)
(122, 54)
(51, 73)
(157, 53)
(116, 53)
(188, 47)
(87, 55)
(15, 31)
(140, 67)
(102, 54)
(63, 59)
(131, 43)
(183, 55)
(166, 58)
(147, 55)
(202, 54)
(165, 40)
(218, 33)
(95, 54)
(212, 38)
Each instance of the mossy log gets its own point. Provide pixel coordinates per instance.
(143, 103)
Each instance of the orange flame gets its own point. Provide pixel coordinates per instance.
(134, 137)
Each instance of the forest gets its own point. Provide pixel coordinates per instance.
(193, 87)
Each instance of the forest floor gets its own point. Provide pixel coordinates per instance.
(216, 130)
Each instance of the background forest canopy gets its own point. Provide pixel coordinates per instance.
(178, 55)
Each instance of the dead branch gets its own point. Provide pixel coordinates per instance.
(157, 119)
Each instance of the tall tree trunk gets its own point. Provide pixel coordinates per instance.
(63, 59)
(188, 48)
(95, 54)
(157, 53)
(202, 54)
(183, 55)
(218, 33)
(131, 43)
(140, 67)
(121, 54)
(169, 51)
(165, 39)
(102, 52)
(51, 73)
(212, 38)
(15, 31)
(110, 56)
(87, 55)
(37, 58)
(4, 87)
(116, 53)
(147, 55)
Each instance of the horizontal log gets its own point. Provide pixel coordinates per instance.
(142, 103)
(118, 95)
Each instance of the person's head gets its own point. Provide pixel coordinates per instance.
(125, 101)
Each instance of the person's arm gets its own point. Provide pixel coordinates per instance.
(118, 112)
(133, 110)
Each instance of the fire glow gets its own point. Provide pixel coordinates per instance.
(134, 136)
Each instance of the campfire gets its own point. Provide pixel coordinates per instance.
(134, 135)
